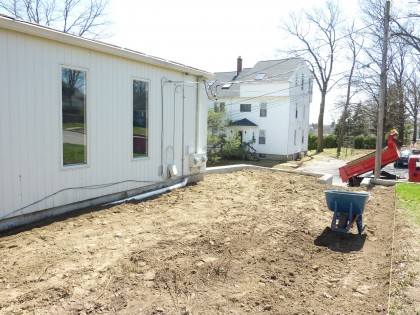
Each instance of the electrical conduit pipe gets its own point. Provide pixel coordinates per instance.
(150, 193)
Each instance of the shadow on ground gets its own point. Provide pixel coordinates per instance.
(340, 242)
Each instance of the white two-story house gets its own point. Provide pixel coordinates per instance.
(268, 104)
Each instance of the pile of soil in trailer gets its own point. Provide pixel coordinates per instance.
(250, 242)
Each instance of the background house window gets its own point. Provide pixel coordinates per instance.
(216, 107)
(140, 118)
(310, 85)
(260, 76)
(219, 107)
(227, 85)
(261, 138)
(303, 81)
(296, 112)
(263, 110)
(245, 108)
(73, 110)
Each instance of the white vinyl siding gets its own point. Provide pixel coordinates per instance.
(32, 174)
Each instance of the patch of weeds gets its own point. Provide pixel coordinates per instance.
(409, 279)
(131, 268)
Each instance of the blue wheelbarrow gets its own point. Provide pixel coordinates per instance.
(348, 207)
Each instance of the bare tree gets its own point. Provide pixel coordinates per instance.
(354, 50)
(396, 100)
(368, 72)
(413, 101)
(78, 17)
(405, 26)
(316, 32)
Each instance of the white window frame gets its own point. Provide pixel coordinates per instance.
(87, 118)
(263, 109)
(147, 156)
(245, 111)
(262, 134)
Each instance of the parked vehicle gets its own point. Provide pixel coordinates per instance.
(403, 160)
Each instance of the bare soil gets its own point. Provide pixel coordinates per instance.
(250, 242)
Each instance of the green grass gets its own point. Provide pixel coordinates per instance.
(408, 195)
(73, 125)
(312, 155)
(139, 131)
(73, 153)
(347, 156)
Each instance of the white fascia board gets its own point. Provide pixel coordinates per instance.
(51, 34)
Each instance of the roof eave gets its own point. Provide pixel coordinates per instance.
(51, 34)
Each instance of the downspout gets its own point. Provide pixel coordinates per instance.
(183, 132)
(288, 128)
(162, 84)
(197, 117)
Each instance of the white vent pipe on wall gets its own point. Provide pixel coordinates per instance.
(150, 193)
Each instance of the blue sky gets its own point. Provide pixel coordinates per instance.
(210, 35)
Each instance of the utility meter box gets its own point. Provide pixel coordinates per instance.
(198, 160)
(414, 168)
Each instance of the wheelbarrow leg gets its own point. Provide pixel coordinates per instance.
(359, 223)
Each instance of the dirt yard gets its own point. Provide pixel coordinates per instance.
(250, 242)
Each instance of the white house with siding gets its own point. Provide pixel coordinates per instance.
(85, 123)
(268, 104)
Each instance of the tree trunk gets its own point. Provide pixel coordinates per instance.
(343, 120)
(415, 128)
(320, 143)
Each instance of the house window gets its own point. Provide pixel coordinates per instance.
(73, 110)
(304, 111)
(245, 108)
(294, 141)
(216, 107)
(140, 118)
(296, 112)
(261, 138)
(219, 107)
(310, 85)
(263, 110)
(227, 85)
(303, 81)
(303, 136)
(260, 76)
(296, 80)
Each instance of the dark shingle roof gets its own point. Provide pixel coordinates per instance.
(243, 122)
(273, 70)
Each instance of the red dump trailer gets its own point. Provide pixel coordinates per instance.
(366, 163)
